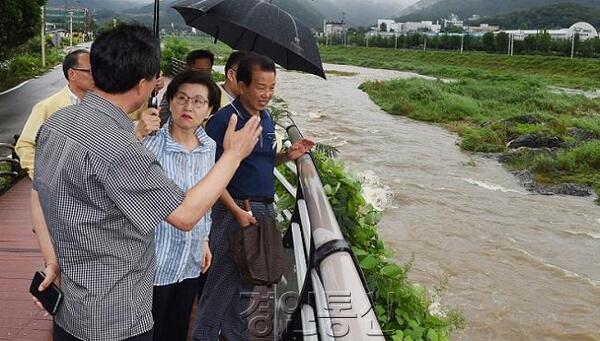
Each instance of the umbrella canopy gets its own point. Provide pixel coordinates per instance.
(258, 26)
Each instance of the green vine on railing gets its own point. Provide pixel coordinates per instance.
(402, 308)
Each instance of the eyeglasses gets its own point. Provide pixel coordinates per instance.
(84, 70)
(198, 102)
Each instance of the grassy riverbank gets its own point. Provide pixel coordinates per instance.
(493, 100)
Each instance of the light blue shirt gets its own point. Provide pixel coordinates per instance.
(178, 253)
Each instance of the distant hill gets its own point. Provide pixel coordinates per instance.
(435, 9)
(553, 16)
(359, 12)
(301, 9)
(304, 10)
(114, 5)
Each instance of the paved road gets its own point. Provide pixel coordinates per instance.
(16, 105)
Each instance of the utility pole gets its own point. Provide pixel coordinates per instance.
(425, 43)
(66, 19)
(43, 38)
(512, 44)
(573, 46)
(71, 28)
(462, 43)
(396, 45)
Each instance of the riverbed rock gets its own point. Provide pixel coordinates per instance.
(581, 134)
(536, 141)
(527, 180)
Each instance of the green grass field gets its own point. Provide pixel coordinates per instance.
(574, 73)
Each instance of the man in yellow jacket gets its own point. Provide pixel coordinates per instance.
(77, 71)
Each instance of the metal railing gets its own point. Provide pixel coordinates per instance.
(176, 66)
(8, 154)
(322, 294)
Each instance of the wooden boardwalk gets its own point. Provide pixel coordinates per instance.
(19, 259)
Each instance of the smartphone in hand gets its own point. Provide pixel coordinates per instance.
(50, 298)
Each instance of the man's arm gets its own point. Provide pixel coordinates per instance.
(40, 229)
(25, 146)
(243, 217)
(237, 145)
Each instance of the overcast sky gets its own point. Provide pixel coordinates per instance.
(402, 3)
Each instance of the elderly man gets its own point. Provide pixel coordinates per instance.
(221, 308)
(99, 194)
(77, 71)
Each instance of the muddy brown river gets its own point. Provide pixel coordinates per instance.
(519, 266)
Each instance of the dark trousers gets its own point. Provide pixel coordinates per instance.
(60, 334)
(201, 282)
(171, 308)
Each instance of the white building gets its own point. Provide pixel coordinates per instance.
(453, 20)
(482, 28)
(332, 28)
(585, 30)
(406, 27)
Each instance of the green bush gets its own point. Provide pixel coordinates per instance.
(173, 48)
(587, 155)
(24, 65)
(5, 181)
(483, 140)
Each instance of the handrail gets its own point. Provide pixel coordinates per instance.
(15, 171)
(333, 280)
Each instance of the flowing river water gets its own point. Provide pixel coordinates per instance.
(519, 266)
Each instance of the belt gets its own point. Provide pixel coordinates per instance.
(262, 200)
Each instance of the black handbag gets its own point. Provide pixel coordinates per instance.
(257, 250)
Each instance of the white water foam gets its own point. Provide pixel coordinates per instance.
(565, 272)
(377, 194)
(315, 115)
(593, 235)
(491, 187)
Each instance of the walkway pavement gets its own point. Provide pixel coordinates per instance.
(19, 259)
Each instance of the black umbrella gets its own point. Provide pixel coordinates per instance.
(258, 26)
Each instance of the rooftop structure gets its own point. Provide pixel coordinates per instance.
(585, 31)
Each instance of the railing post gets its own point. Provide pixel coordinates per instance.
(349, 308)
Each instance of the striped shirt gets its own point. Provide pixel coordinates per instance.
(178, 253)
(102, 193)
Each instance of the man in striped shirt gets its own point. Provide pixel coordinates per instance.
(99, 194)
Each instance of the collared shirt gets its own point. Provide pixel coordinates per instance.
(178, 253)
(74, 99)
(102, 193)
(254, 177)
(226, 98)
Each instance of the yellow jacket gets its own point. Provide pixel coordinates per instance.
(25, 147)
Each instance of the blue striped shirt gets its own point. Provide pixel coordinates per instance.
(178, 253)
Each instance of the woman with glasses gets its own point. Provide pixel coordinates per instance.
(186, 154)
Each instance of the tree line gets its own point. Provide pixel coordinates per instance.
(541, 43)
